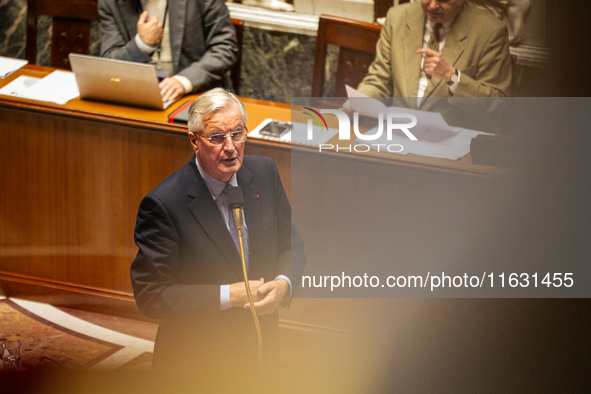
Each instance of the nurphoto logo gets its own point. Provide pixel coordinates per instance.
(394, 121)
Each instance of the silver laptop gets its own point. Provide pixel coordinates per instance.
(117, 81)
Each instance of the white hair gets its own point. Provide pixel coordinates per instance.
(210, 102)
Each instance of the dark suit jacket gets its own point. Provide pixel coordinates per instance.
(186, 252)
(202, 38)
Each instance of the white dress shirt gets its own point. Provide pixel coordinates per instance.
(157, 8)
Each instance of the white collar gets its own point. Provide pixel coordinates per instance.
(215, 186)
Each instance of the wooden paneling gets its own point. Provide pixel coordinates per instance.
(71, 191)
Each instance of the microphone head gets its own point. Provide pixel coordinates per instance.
(235, 197)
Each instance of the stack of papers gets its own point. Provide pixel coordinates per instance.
(454, 145)
(435, 138)
(9, 65)
(58, 87)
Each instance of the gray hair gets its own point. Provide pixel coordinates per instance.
(210, 102)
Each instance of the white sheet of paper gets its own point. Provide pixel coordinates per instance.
(58, 87)
(9, 65)
(430, 125)
(18, 87)
(454, 147)
(367, 106)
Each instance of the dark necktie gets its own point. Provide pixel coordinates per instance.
(233, 231)
(434, 40)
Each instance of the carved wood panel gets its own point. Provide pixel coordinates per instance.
(69, 36)
(351, 69)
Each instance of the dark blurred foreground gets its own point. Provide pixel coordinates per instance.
(401, 345)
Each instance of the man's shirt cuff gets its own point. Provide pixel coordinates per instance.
(225, 293)
(145, 48)
(187, 85)
(288, 282)
(225, 297)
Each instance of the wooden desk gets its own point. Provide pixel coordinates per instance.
(73, 177)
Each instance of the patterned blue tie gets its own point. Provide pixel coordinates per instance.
(233, 231)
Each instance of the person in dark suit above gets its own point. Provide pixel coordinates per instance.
(193, 42)
(187, 272)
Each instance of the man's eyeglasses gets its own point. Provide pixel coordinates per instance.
(238, 137)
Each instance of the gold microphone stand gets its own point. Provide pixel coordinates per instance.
(237, 216)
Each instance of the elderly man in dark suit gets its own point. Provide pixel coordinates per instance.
(193, 41)
(187, 272)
